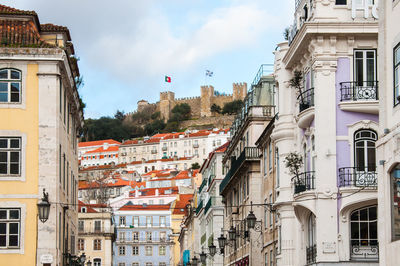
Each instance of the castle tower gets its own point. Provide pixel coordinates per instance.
(207, 93)
(166, 102)
(239, 90)
(141, 105)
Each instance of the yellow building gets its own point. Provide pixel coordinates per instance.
(96, 233)
(40, 115)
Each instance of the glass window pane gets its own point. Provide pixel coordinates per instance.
(3, 157)
(3, 143)
(355, 216)
(373, 230)
(14, 143)
(15, 87)
(14, 156)
(13, 240)
(3, 168)
(14, 214)
(3, 74)
(372, 214)
(3, 214)
(370, 70)
(3, 97)
(3, 86)
(3, 228)
(15, 74)
(363, 215)
(2, 240)
(14, 168)
(397, 56)
(13, 228)
(363, 230)
(354, 231)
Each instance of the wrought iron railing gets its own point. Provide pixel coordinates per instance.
(210, 202)
(358, 90)
(358, 176)
(306, 99)
(304, 181)
(265, 69)
(364, 253)
(311, 254)
(202, 185)
(249, 153)
(210, 179)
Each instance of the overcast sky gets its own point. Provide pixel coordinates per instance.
(126, 47)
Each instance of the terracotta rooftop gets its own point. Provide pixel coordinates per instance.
(13, 11)
(55, 28)
(181, 203)
(98, 143)
(118, 182)
(101, 149)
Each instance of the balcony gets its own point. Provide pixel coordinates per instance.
(143, 240)
(364, 253)
(210, 202)
(304, 182)
(202, 185)
(248, 154)
(210, 179)
(358, 96)
(306, 99)
(358, 177)
(96, 231)
(311, 254)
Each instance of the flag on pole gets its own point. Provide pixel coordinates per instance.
(167, 79)
(209, 73)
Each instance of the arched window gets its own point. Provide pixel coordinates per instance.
(311, 242)
(363, 233)
(395, 199)
(10, 86)
(364, 150)
(97, 262)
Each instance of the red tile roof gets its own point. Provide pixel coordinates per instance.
(101, 149)
(88, 207)
(13, 11)
(98, 143)
(152, 191)
(181, 203)
(119, 182)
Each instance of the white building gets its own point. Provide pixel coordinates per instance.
(100, 152)
(328, 211)
(389, 129)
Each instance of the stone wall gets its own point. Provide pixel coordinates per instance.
(223, 121)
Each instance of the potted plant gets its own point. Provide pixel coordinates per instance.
(293, 162)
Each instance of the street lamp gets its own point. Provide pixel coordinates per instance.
(222, 241)
(195, 261)
(213, 249)
(203, 257)
(44, 207)
(82, 258)
(232, 233)
(89, 263)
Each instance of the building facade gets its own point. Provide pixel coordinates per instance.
(242, 184)
(328, 117)
(95, 233)
(389, 129)
(100, 152)
(143, 235)
(41, 115)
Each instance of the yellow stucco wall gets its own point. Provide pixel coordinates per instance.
(176, 228)
(26, 121)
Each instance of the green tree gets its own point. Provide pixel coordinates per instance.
(195, 166)
(232, 107)
(156, 115)
(154, 127)
(120, 115)
(215, 108)
(183, 110)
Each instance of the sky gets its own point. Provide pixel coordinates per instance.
(127, 47)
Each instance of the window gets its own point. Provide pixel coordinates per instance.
(265, 214)
(162, 221)
(136, 221)
(135, 263)
(135, 236)
(163, 236)
(10, 156)
(149, 264)
(271, 258)
(135, 250)
(270, 156)
(81, 225)
(364, 150)
(122, 220)
(10, 223)
(396, 74)
(121, 236)
(97, 244)
(97, 226)
(81, 244)
(148, 221)
(364, 71)
(121, 264)
(97, 262)
(149, 236)
(10, 86)
(363, 227)
(265, 161)
(162, 250)
(395, 198)
(121, 250)
(311, 242)
(277, 166)
(162, 264)
(149, 251)
(271, 215)
(266, 258)
(341, 2)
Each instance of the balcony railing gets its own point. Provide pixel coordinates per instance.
(143, 240)
(311, 254)
(210, 179)
(249, 153)
(306, 99)
(305, 181)
(210, 202)
(91, 230)
(356, 90)
(364, 253)
(358, 176)
(202, 185)
(264, 70)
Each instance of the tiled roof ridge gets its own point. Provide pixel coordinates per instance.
(7, 10)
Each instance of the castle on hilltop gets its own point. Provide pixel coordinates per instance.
(200, 105)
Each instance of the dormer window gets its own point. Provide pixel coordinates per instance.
(83, 210)
(341, 2)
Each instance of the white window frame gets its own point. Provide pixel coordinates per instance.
(396, 69)
(135, 248)
(23, 140)
(22, 207)
(121, 250)
(22, 68)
